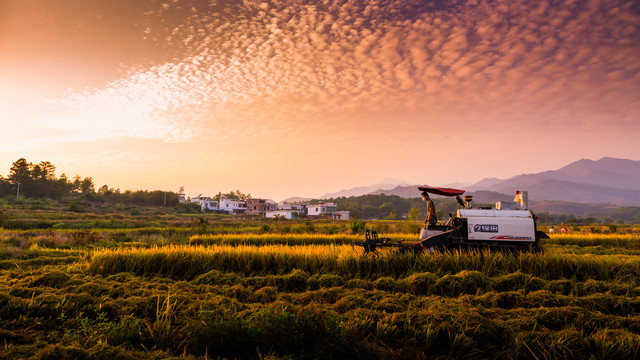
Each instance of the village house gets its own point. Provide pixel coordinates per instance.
(284, 213)
(231, 206)
(321, 209)
(300, 208)
(260, 206)
(341, 215)
(206, 203)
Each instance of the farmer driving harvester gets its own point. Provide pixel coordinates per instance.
(431, 210)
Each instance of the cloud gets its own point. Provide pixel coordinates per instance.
(273, 65)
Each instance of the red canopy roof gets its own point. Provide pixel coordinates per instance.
(441, 191)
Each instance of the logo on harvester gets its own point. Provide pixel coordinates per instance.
(485, 228)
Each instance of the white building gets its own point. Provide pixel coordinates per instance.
(286, 213)
(321, 209)
(300, 208)
(205, 202)
(235, 207)
(272, 205)
(341, 215)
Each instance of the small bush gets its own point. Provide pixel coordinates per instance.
(357, 226)
(76, 207)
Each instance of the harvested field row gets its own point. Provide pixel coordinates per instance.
(125, 310)
(186, 262)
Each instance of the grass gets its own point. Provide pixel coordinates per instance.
(298, 290)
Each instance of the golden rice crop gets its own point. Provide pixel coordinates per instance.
(610, 240)
(188, 261)
(285, 239)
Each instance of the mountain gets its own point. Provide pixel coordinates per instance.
(609, 172)
(485, 183)
(384, 184)
(582, 187)
(408, 191)
(608, 180)
(455, 185)
(296, 199)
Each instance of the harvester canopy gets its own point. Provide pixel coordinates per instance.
(441, 191)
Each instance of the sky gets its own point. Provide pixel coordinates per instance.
(299, 98)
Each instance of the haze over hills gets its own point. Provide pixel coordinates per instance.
(296, 199)
(608, 180)
(384, 184)
(609, 172)
(605, 181)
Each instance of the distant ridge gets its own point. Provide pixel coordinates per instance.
(609, 172)
(384, 184)
(296, 199)
(606, 181)
(409, 191)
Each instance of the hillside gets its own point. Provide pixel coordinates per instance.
(583, 187)
(608, 180)
(608, 172)
(382, 185)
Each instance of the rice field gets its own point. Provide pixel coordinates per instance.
(179, 293)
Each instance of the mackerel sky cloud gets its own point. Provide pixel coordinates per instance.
(316, 96)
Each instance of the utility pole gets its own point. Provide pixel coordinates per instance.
(165, 199)
(18, 192)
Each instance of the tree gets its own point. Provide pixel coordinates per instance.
(104, 190)
(414, 214)
(5, 187)
(44, 171)
(48, 170)
(386, 208)
(44, 180)
(233, 195)
(77, 182)
(20, 173)
(60, 187)
(240, 196)
(87, 186)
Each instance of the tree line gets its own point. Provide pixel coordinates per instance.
(30, 180)
(392, 207)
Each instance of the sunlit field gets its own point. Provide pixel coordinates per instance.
(208, 288)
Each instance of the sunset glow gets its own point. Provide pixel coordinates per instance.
(300, 98)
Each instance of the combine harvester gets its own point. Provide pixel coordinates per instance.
(507, 226)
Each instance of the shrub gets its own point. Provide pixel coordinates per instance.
(357, 226)
(76, 207)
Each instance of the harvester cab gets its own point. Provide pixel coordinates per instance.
(506, 226)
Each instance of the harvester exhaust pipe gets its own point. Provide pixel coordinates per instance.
(522, 197)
